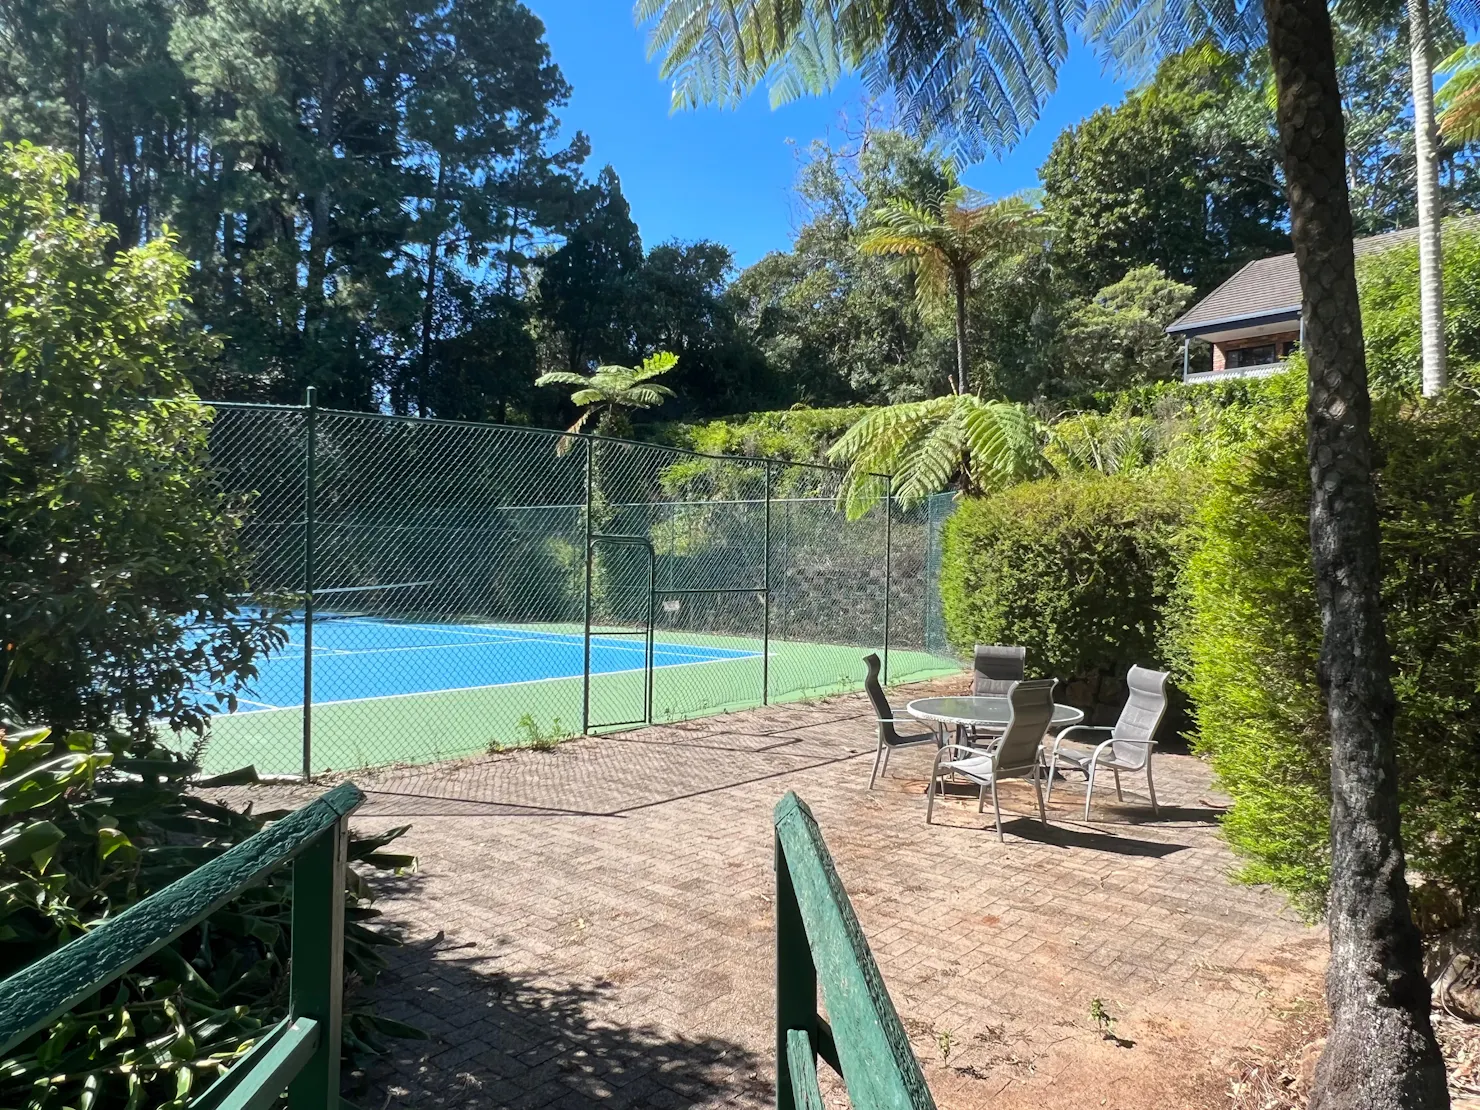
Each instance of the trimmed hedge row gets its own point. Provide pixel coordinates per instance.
(1207, 569)
(1078, 570)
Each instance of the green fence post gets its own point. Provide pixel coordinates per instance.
(316, 983)
(796, 979)
(888, 564)
(766, 600)
(310, 510)
(586, 636)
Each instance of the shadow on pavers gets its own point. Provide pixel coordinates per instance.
(1062, 836)
(501, 1040)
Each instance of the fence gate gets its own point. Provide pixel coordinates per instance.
(621, 579)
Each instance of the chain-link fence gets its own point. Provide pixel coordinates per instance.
(460, 587)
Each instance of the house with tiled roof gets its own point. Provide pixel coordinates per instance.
(1252, 321)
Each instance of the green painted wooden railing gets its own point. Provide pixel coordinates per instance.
(300, 1054)
(819, 941)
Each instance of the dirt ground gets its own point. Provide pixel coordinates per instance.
(592, 926)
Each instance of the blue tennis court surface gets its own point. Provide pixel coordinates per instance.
(363, 658)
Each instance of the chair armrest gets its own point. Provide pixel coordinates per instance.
(970, 753)
(1064, 734)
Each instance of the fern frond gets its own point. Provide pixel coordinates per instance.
(1458, 99)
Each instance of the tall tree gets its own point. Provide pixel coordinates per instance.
(1381, 1050)
(344, 176)
(1430, 242)
(837, 326)
(1180, 175)
(947, 242)
(582, 294)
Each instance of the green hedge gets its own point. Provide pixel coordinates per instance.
(1390, 310)
(1078, 570)
(1249, 632)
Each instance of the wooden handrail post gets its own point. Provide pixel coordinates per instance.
(316, 987)
(796, 980)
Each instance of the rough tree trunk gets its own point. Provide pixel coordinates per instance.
(1430, 242)
(1381, 1053)
(961, 353)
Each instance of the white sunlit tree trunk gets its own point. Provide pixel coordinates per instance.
(1430, 240)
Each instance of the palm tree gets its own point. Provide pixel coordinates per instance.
(1430, 235)
(927, 445)
(946, 241)
(609, 392)
(1420, 15)
(979, 69)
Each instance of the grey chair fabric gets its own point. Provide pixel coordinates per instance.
(1017, 753)
(889, 736)
(995, 667)
(1127, 746)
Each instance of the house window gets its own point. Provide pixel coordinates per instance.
(1240, 357)
(1288, 348)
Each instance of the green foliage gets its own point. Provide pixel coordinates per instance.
(120, 561)
(1388, 282)
(798, 434)
(1078, 569)
(965, 70)
(91, 824)
(1170, 424)
(838, 326)
(351, 182)
(1180, 176)
(1249, 638)
(608, 392)
(929, 445)
(1458, 98)
(1118, 338)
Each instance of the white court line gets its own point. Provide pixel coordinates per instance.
(265, 704)
(606, 643)
(421, 647)
(497, 685)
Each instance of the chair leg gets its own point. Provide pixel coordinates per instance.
(997, 809)
(878, 758)
(1053, 766)
(1038, 789)
(930, 800)
(1089, 789)
(1151, 788)
(1119, 797)
(888, 751)
(981, 799)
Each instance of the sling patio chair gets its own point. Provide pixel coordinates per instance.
(889, 736)
(1127, 746)
(1017, 753)
(995, 667)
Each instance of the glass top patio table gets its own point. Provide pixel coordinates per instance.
(989, 711)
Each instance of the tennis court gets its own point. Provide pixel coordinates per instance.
(391, 692)
(455, 569)
(365, 657)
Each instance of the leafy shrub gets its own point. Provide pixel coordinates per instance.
(119, 560)
(1077, 569)
(1250, 637)
(88, 826)
(1388, 282)
(1118, 337)
(799, 434)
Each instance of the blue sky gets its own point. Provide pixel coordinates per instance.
(727, 174)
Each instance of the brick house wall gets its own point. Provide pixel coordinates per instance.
(1282, 341)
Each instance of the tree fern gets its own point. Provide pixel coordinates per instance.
(976, 70)
(609, 391)
(927, 446)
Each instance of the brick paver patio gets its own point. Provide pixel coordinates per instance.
(591, 926)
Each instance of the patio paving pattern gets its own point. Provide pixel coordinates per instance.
(591, 926)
